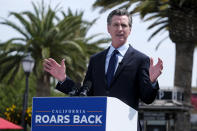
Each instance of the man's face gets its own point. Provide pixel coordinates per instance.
(119, 30)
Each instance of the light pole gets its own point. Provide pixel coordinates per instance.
(28, 64)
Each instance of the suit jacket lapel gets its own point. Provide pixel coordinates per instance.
(126, 59)
(103, 65)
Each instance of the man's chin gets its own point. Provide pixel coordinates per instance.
(121, 41)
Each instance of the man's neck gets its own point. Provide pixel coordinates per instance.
(116, 46)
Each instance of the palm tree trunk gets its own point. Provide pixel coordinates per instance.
(182, 122)
(43, 85)
(183, 68)
(183, 77)
(183, 32)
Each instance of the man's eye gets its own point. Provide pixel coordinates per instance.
(116, 25)
(123, 25)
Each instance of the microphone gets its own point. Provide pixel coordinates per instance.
(73, 93)
(75, 90)
(85, 88)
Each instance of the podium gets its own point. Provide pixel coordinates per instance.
(82, 114)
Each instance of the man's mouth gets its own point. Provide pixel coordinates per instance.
(119, 35)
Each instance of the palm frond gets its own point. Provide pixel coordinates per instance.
(157, 31)
(160, 42)
(24, 22)
(16, 27)
(157, 22)
(8, 64)
(48, 35)
(107, 4)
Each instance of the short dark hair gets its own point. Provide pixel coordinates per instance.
(119, 12)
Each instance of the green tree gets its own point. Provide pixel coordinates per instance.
(45, 33)
(179, 18)
(11, 97)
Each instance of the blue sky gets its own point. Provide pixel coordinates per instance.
(138, 38)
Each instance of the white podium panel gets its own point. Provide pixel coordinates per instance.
(120, 117)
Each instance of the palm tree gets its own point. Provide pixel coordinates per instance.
(44, 34)
(179, 17)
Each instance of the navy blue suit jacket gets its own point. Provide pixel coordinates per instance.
(130, 83)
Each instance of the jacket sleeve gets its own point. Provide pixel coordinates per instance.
(67, 86)
(147, 90)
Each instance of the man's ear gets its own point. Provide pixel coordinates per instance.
(108, 28)
(130, 31)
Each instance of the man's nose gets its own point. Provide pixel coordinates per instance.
(119, 27)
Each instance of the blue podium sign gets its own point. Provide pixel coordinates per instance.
(69, 114)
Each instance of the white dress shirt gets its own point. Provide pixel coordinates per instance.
(122, 51)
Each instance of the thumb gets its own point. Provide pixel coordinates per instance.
(151, 61)
(62, 63)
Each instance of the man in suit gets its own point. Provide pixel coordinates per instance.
(119, 71)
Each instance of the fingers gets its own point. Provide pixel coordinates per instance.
(151, 61)
(159, 65)
(49, 64)
(160, 62)
(47, 69)
(52, 62)
(46, 65)
(156, 70)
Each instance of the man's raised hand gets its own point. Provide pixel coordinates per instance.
(56, 70)
(155, 70)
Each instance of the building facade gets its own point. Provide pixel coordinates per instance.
(163, 114)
